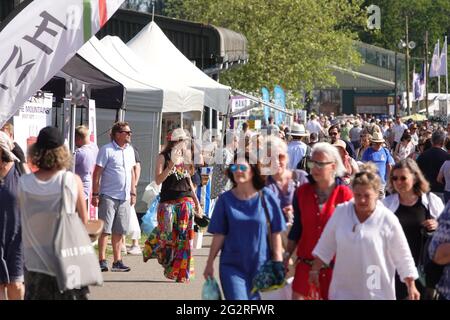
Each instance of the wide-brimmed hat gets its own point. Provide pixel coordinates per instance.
(6, 144)
(340, 143)
(178, 134)
(298, 130)
(377, 137)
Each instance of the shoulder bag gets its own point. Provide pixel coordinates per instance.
(271, 275)
(76, 263)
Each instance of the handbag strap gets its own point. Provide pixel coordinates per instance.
(64, 195)
(269, 235)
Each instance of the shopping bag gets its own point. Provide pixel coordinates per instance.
(151, 191)
(76, 263)
(270, 276)
(284, 293)
(211, 290)
(150, 219)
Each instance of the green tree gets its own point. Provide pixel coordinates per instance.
(292, 43)
(423, 15)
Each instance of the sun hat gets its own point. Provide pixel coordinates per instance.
(377, 137)
(6, 144)
(340, 143)
(178, 134)
(298, 130)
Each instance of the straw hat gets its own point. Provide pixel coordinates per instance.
(377, 137)
(340, 144)
(178, 134)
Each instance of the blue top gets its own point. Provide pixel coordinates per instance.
(243, 222)
(11, 254)
(440, 236)
(84, 165)
(117, 164)
(380, 158)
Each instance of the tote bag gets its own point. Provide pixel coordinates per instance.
(76, 263)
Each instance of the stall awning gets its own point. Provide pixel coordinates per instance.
(233, 46)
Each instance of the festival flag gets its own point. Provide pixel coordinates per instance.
(266, 98)
(39, 41)
(279, 98)
(435, 62)
(443, 60)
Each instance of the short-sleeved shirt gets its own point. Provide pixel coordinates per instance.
(430, 162)
(380, 158)
(243, 222)
(399, 129)
(85, 157)
(117, 164)
(296, 152)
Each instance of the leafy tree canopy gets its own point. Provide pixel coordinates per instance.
(292, 43)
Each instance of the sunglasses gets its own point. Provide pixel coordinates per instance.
(241, 167)
(127, 132)
(401, 178)
(312, 164)
(333, 133)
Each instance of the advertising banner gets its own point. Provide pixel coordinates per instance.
(40, 40)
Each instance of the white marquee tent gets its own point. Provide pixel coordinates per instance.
(152, 45)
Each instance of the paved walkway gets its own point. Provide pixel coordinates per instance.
(145, 281)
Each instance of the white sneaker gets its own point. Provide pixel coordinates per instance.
(135, 251)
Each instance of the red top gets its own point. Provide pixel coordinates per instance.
(313, 221)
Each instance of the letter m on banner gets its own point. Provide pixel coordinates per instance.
(39, 41)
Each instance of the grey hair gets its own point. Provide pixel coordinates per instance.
(331, 151)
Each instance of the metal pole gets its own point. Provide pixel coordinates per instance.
(426, 73)
(407, 68)
(395, 88)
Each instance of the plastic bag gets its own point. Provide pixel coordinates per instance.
(211, 290)
(151, 192)
(284, 293)
(150, 219)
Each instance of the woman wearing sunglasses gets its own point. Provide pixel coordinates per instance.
(416, 208)
(314, 204)
(368, 245)
(239, 225)
(176, 208)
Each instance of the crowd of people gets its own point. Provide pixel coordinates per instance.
(340, 204)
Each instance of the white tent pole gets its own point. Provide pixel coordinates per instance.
(181, 120)
(153, 10)
(439, 77)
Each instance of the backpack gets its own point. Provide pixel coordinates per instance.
(303, 164)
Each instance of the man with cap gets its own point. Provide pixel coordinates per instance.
(297, 149)
(381, 157)
(114, 191)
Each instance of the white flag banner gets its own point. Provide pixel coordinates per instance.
(40, 40)
(435, 62)
(443, 60)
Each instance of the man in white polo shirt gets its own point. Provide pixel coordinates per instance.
(113, 191)
(399, 129)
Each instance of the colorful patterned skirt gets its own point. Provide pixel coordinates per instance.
(175, 232)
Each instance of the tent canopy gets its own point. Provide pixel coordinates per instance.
(139, 95)
(152, 45)
(177, 97)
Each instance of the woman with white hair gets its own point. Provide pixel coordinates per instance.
(314, 204)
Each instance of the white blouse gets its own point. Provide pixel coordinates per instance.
(367, 254)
